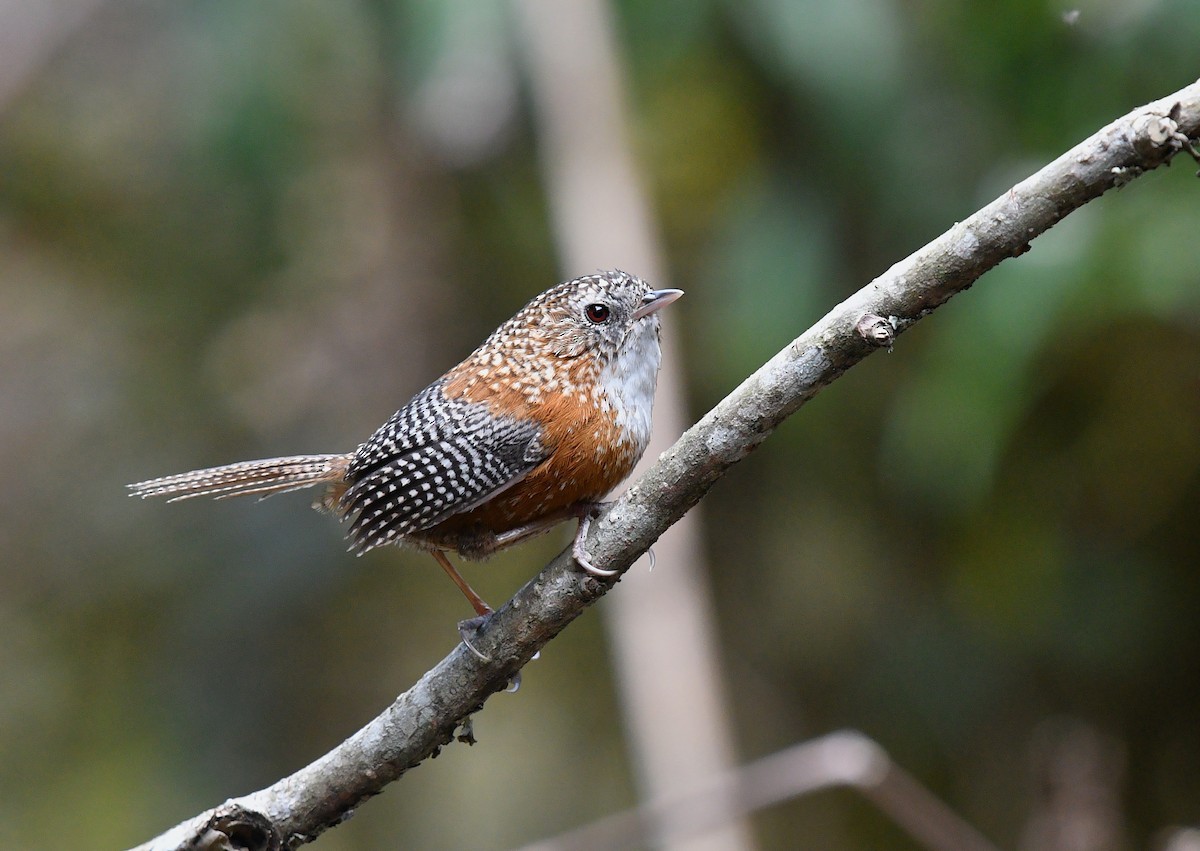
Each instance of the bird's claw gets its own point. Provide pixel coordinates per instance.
(580, 554)
(468, 629)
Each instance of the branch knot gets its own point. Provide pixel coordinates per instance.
(876, 330)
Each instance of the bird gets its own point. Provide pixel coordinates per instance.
(533, 428)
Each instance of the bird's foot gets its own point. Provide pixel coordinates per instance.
(579, 551)
(469, 629)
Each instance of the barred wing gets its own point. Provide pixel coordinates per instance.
(434, 458)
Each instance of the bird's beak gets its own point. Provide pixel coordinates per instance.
(654, 300)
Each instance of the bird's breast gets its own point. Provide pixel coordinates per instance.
(628, 383)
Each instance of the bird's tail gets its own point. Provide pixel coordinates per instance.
(266, 477)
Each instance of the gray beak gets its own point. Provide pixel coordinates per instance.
(655, 300)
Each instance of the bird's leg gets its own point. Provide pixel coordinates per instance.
(482, 610)
(532, 529)
(586, 511)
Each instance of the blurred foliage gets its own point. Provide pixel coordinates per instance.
(232, 230)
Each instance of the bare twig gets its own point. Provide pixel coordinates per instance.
(424, 718)
(844, 759)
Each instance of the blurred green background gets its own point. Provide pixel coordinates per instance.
(231, 230)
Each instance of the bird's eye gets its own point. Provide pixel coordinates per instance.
(597, 314)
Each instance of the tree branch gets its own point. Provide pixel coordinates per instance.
(425, 718)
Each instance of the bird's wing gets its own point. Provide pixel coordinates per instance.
(434, 458)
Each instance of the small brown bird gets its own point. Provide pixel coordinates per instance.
(535, 427)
